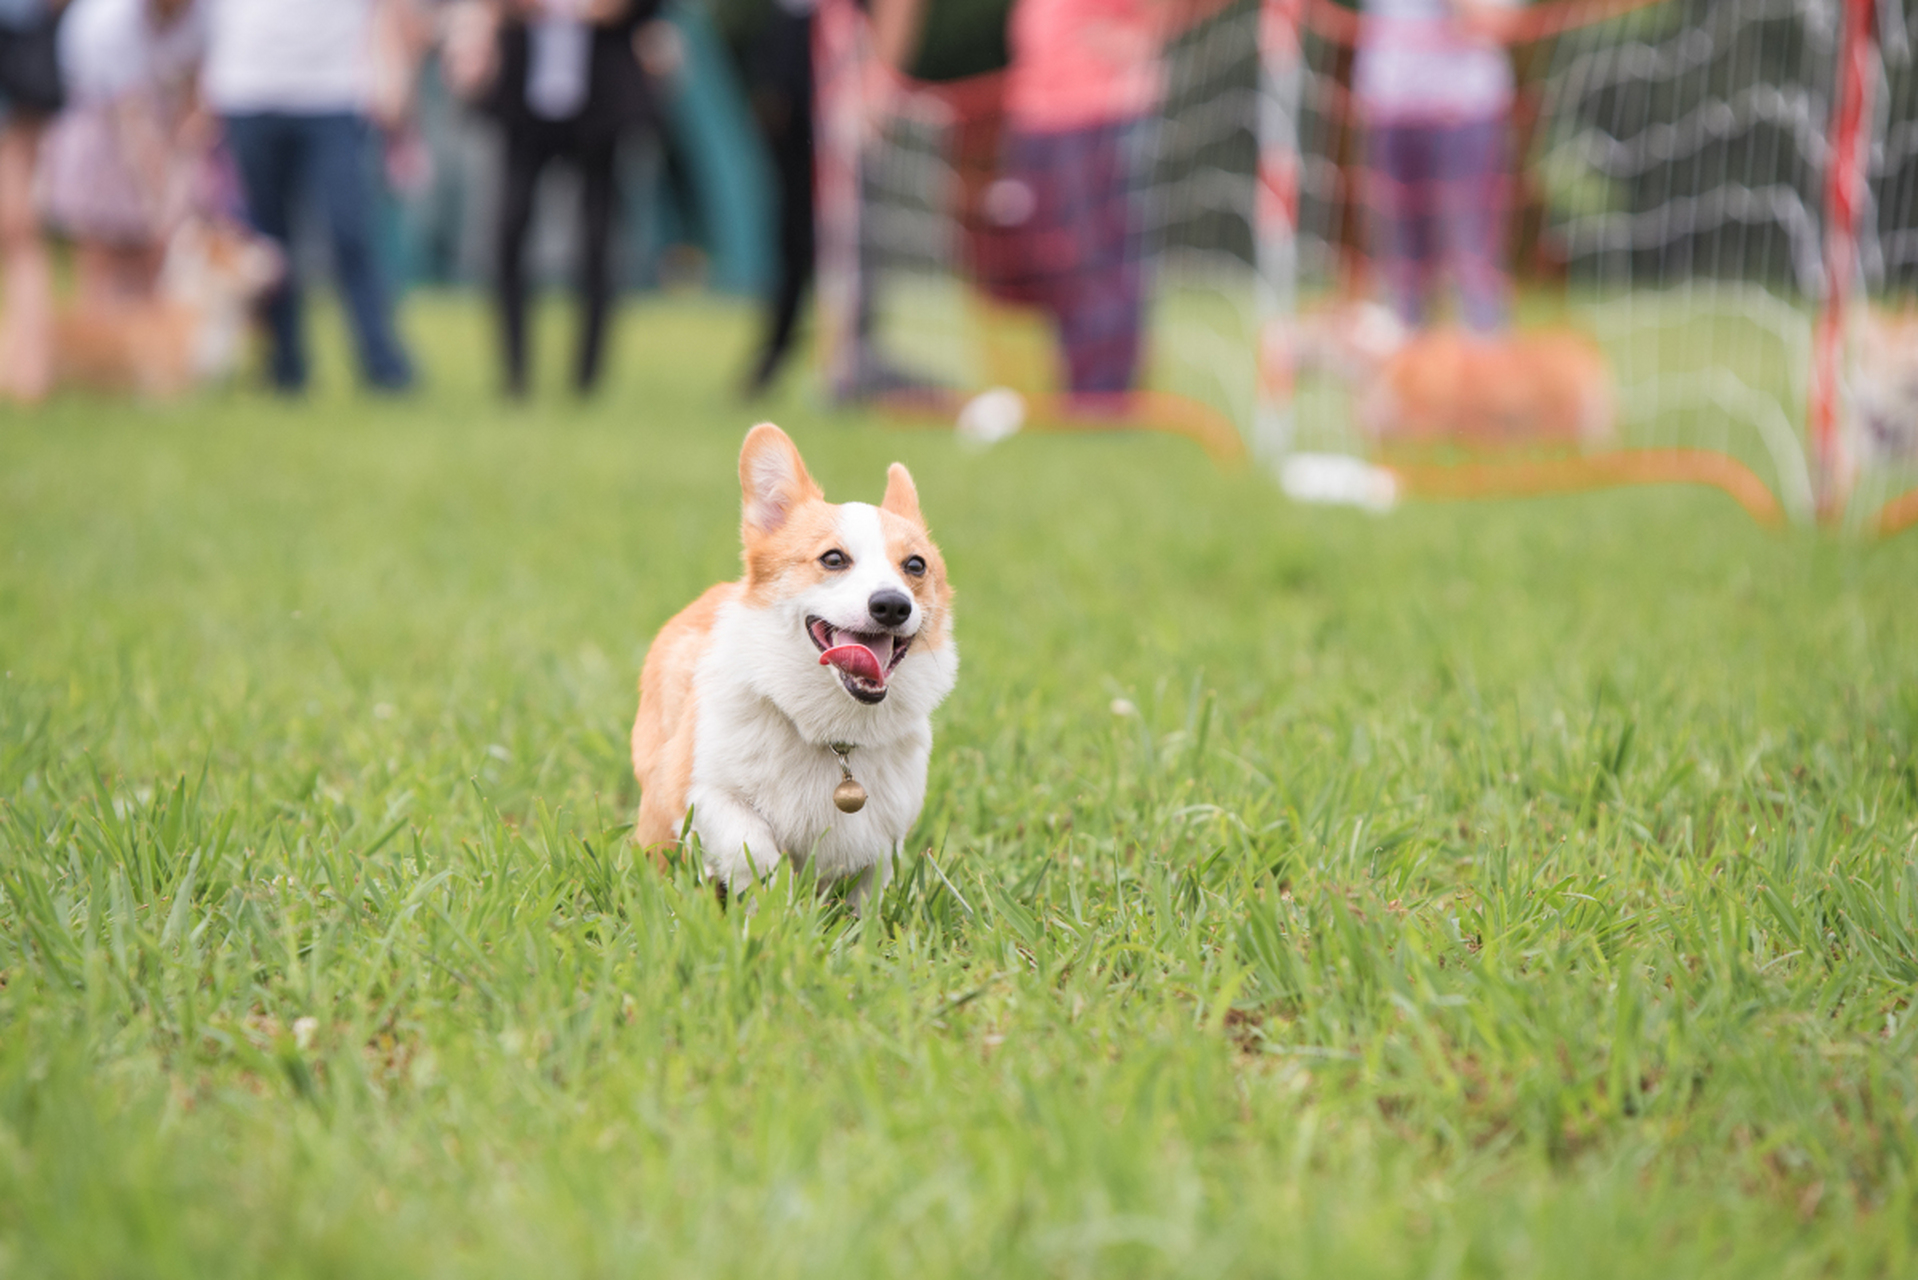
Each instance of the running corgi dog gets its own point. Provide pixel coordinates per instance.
(824, 661)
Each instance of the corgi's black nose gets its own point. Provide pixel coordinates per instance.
(890, 608)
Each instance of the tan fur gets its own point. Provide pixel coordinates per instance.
(1547, 387)
(150, 346)
(906, 534)
(902, 496)
(662, 757)
(142, 347)
(781, 545)
(788, 558)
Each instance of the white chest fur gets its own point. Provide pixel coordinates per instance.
(764, 772)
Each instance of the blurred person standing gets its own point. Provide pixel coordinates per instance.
(116, 165)
(1085, 81)
(568, 86)
(930, 41)
(30, 93)
(1433, 86)
(294, 82)
(771, 44)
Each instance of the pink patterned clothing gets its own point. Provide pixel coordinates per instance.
(1085, 77)
(127, 84)
(91, 189)
(1082, 63)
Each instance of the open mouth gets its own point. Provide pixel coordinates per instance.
(865, 660)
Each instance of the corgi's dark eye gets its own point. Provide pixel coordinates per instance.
(835, 559)
(915, 565)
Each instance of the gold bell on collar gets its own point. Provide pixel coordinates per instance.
(849, 795)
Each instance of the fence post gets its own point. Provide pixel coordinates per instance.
(1275, 226)
(1844, 185)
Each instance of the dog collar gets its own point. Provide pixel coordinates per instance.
(849, 796)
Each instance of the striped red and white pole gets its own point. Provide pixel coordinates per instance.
(1844, 191)
(1276, 223)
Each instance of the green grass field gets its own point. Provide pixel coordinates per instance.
(1521, 889)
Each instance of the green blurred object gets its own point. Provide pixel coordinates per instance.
(711, 131)
(961, 38)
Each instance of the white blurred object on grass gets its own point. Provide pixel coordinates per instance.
(1337, 479)
(991, 416)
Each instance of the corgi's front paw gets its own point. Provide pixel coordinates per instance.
(739, 847)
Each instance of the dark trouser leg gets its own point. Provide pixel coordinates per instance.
(790, 141)
(268, 151)
(779, 67)
(338, 153)
(1085, 232)
(1041, 259)
(796, 249)
(1102, 335)
(525, 157)
(597, 200)
(1398, 188)
(1474, 197)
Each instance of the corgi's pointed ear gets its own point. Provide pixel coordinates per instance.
(772, 480)
(902, 498)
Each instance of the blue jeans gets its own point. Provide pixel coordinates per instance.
(283, 157)
(1440, 195)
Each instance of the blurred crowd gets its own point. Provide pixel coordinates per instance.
(176, 145)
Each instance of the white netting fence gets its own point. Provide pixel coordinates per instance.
(1674, 167)
(944, 298)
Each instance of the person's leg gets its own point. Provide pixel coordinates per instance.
(26, 312)
(107, 274)
(96, 277)
(1109, 337)
(519, 179)
(783, 108)
(598, 197)
(140, 267)
(1397, 160)
(1096, 299)
(338, 171)
(1474, 193)
(792, 152)
(1038, 208)
(268, 156)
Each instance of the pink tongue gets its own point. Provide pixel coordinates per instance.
(854, 660)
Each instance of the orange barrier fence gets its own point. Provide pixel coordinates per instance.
(1528, 477)
(1897, 516)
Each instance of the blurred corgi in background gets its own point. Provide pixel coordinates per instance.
(1884, 390)
(1447, 385)
(766, 700)
(1450, 386)
(190, 332)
